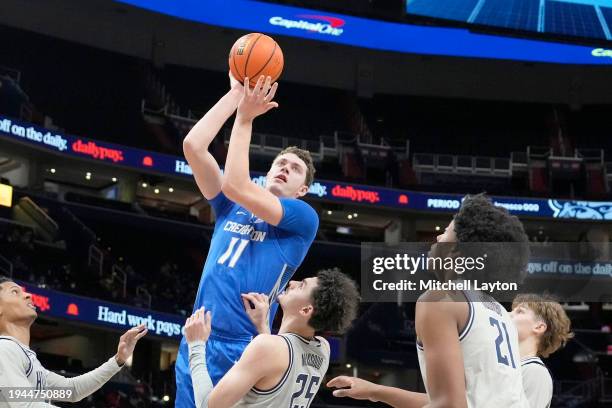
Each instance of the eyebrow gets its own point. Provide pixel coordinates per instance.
(298, 163)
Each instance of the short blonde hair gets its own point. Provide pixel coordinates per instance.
(305, 156)
(558, 325)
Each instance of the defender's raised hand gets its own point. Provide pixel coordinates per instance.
(198, 326)
(259, 312)
(127, 343)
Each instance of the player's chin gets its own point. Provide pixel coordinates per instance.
(275, 188)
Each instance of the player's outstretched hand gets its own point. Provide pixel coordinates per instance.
(259, 311)
(352, 387)
(198, 326)
(127, 343)
(258, 100)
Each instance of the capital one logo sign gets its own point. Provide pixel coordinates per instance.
(325, 25)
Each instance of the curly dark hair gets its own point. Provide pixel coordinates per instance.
(498, 234)
(4, 279)
(335, 301)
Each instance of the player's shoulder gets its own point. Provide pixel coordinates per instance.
(298, 204)
(11, 349)
(271, 351)
(9, 344)
(441, 301)
(534, 365)
(438, 305)
(443, 296)
(323, 341)
(267, 344)
(324, 344)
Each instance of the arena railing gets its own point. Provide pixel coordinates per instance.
(572, 393)
(590, 155)
(267, 144)
(118, 274)
(539, 152)
(143, 293)
(452, 164)
(95, 258)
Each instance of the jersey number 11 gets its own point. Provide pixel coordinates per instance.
(234, 254)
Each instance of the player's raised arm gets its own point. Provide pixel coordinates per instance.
(86, 384)
(237, 184)
(195, 145)
(443, 356)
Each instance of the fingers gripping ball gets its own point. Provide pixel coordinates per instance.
(254, 55)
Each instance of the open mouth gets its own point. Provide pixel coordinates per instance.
(31, 305)
(281, 177)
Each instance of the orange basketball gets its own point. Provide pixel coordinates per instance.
(254, 55)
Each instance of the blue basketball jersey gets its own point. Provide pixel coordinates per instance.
(249, 255)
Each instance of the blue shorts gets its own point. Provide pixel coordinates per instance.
(221, 354)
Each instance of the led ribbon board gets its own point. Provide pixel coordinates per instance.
(143, 160)
(105, 314)
(374, 34)
(574, 18)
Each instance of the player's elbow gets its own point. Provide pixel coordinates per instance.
(233, 190)
(189, 147)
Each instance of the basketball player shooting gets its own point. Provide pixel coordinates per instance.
(467, 344)
(20, 368)
(283, 370)
(261, 235)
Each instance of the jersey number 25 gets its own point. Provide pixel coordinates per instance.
(302, 379)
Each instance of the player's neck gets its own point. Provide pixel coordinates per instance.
(18, 331)
(528, 348)
(289, 325)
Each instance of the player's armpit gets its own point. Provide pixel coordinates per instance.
(436, 325)
(257, 200)
(260, 360)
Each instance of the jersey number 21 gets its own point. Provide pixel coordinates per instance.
(502, 342)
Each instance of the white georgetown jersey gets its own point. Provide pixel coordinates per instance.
(492, 365)
(21, 370)
(308, 362)
(537, 382)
